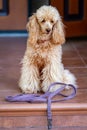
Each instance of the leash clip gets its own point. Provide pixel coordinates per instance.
(49, 124)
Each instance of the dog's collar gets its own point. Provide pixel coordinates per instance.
(42, 41)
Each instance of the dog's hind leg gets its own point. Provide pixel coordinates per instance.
(69, 78)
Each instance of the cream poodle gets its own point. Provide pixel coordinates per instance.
(42, 63)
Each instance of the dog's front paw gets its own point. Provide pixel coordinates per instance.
(29, 87)
(52, 89)
(27, 90)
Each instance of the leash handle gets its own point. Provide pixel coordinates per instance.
(59, 90)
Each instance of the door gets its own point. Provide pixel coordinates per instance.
(74, 13)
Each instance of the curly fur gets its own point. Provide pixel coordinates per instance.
(42, 62)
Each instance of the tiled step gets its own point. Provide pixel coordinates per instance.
(33, 116)
(67, 115)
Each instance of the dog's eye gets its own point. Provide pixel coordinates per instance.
(52, 21)
(43, 21)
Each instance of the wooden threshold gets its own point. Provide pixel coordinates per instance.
(40, 109)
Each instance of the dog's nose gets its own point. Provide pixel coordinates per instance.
(48, 30)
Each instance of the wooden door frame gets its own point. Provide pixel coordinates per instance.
(5, 10)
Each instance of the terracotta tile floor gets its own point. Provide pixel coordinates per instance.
(12, 50)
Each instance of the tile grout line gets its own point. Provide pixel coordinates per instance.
(79, 54)
(77, 67)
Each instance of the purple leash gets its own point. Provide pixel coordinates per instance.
(46, 98)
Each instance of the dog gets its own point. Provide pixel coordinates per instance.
(42, 61)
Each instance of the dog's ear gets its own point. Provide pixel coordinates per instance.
(58, 35)
(33, 28)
